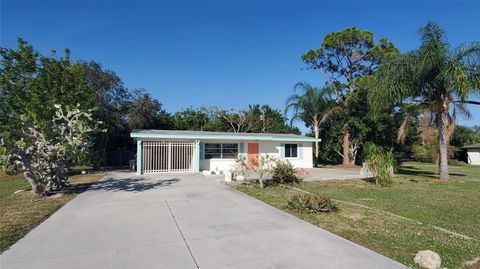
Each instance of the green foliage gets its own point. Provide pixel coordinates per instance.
(111, 98)
(269, 120)
(463, 136)
(145, 112)
(284, 172)
(31, 84)
(347, 59)
(435, 79)
(425, 153)
(46, 158)
(311, 203)
(255, 119)
(8, 164)
(312, 106)
(456, 162)
(197, 119)
(380, 163)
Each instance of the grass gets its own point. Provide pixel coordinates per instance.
(400, 220)
(20, 212)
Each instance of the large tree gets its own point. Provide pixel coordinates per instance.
(269, 120)
(146, 112)
(110, 97)
(32, 83)
(435, 79)
(45, 113)
(342, 59)
(312, 106)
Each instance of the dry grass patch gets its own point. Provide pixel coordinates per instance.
(22, 211)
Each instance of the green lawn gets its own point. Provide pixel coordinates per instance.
(21, 212)
(400, 220)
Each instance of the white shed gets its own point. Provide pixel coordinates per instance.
(473, 152)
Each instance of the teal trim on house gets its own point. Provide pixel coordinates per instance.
(241, 148)
(282, 151)
(197, 156)
(139, 157)
(202, 151)
(265, 137)
(300, 151)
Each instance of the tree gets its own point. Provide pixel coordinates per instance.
(269, 120)
(238, 122)
(110, 97)
(47, 156)
(463, 136)
(342, 59)
(31, 84)
(198, 119)
(262, 167)
(434, 79)
(146, 112)
(312, 106)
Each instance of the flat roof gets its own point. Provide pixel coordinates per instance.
(473, 146)
(179, 134)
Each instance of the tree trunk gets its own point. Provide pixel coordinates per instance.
(36, 188)
(346, 147)
(443, 145)
(29, 175)
(317, 145)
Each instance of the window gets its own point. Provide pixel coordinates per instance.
(221, 151)
(291, 150)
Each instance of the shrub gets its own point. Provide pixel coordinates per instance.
(428, 153)
(47, 156)
(263, 167)
(380, 163)
(284, 172)
(456, 162)
(241, 168)
(311, 203)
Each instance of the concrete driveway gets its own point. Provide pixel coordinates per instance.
(180, 222)
(320, 173)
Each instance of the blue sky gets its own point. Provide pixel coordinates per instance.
(227, 54)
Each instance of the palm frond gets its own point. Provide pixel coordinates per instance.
(462, 110)
(331, 111)
(402, 131)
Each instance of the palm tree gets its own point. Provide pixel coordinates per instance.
(433, 79)
(311, 105)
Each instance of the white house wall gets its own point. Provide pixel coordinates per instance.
(474, 156)
(272, 148)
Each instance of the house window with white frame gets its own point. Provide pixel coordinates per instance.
(291, 150)
(221, 150)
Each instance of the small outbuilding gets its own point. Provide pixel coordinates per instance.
(168, 151)
(473, 153)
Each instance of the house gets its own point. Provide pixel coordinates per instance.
(473, 152)
(167, 151)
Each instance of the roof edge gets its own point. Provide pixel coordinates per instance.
(224, 137)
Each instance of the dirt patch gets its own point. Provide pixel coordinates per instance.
(355, 216)
(473, 264)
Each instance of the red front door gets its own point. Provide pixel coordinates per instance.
(252, 155)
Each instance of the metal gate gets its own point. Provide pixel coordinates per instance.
(167, 157)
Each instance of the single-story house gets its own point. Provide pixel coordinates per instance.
(168, 151)
(473, 153)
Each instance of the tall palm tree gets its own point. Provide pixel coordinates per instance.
(433, 79)
(310, 105)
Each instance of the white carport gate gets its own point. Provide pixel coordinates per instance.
(167, 156)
